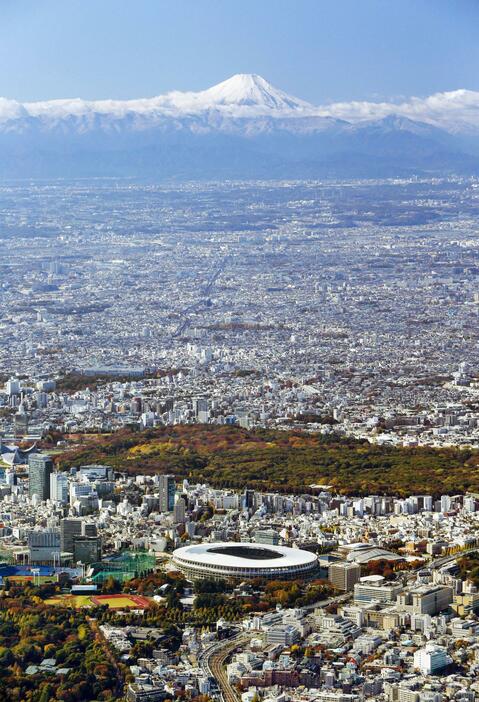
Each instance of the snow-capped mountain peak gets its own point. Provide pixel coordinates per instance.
(241, 127)
(250, 90)
(246, 96)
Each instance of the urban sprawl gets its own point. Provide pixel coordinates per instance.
(341, 309)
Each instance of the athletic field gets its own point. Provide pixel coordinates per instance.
(35, 579)
(121, 601)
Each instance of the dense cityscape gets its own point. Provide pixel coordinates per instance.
(210, 396)
(354, 302)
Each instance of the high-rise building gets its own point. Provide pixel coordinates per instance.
(248, 498)
(70, 529)
(344, 575)
(200, 408)
(136, 405)
(431, 659)
(89, 529)
(446, 503)
(74, 530)
(428, 503)
(46, 385)
(179, 511)
(167, 493)
(21, 421)
(12, 387)
(59, 487)
(87, 549)
(40, 469)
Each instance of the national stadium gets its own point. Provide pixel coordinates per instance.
(242, 561)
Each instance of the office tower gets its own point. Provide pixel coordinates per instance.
(46, 385)
(248, 499)
(200, 408)
(469, 504)
(70, 529)
(41, 398)
(12, 387)
(40, 469)
(59, 487)
(87, 549)
(428, 503)
(89, 529)
(21, 421)
(344, 575)
(179, 511)
(167, 492)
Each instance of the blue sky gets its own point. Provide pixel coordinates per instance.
(319, 50)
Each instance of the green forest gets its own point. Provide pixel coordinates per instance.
(287, 461)
(51, 652)
(32, 633)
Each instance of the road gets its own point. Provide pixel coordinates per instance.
(200, 304)
(338, 599)
(442, 561)
(217, 667)
(212, 660)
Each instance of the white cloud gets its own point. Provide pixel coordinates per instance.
(243, 96)
(457, 110)
(11, 109)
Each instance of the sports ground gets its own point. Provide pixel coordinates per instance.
(38, 575)
(121, 601)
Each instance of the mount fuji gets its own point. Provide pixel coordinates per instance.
(241, 128)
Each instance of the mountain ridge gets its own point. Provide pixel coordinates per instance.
(246, 94)
(242, 127)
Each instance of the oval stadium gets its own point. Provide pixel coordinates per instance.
(222, 561)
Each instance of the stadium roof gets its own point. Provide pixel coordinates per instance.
(245, 555)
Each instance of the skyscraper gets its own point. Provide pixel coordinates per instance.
(248, 498)
(167, 493)
(179, 512)
(59, 487)
(70, 529)
(40, 469)
(200, 408)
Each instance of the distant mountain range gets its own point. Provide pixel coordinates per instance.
(241, 128)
